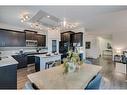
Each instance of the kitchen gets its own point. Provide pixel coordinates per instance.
(26, 46)
(39, 46)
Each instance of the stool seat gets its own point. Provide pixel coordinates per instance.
(48, 64)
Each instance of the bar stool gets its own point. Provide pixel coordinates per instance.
(56, 63)
(47, 65)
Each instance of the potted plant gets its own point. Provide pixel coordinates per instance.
(72, 62)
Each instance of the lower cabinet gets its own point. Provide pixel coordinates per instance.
(22, 60)
(8, 77)
(30, 59)
(37, 64)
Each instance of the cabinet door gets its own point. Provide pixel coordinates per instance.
(10, 38)
(66, 37)
(21, 39)
(78, 38)
(30, 35)
(44, 40)
(2, 38)
(41, 39)
(8, 77)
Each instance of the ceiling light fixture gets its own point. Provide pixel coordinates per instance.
(48, 16)
(24, 18)
(64, 22)
(66, 25)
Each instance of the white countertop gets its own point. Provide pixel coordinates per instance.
(44, 55)
(8, 61)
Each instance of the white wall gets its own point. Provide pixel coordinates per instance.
(93, 51)
(7, 26)
(103, 44)
(119, 40)
(98, 45)
(53, 35)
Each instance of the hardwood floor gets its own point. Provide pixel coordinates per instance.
(110, 79)
(22, 76)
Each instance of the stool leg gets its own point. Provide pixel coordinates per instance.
(48, 66)
(45, 66)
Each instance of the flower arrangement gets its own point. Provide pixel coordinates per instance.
(72, 62)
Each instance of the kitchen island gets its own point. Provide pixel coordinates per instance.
(42, 59)
(8, 73)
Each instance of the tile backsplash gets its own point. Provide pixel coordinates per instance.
(8, 51)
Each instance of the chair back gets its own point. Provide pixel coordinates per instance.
(95, 82)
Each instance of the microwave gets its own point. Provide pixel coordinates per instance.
(31, 43)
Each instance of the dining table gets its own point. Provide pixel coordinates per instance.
(55, 78)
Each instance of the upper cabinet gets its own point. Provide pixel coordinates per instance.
(11, 38)
(69, 38)
(78, 38)
(41, 40)
(30, 35)
(66, 38)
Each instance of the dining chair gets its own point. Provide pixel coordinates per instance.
(94, 83)
(30, 86)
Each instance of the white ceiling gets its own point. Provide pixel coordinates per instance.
(96, 19)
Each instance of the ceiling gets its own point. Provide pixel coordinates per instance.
(96, 19)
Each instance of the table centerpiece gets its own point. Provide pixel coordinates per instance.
(72, 63)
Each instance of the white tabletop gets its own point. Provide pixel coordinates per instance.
(55, 79)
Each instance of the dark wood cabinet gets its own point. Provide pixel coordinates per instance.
(3, 37)
(44, 40)
(30, 35)
(78, 38)
(68, 39)
(22, 60)
(11, 38)
(41, 40)
(16, 39)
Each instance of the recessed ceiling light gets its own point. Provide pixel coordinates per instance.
(22, 20)
(48, 16)
(26, 16)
